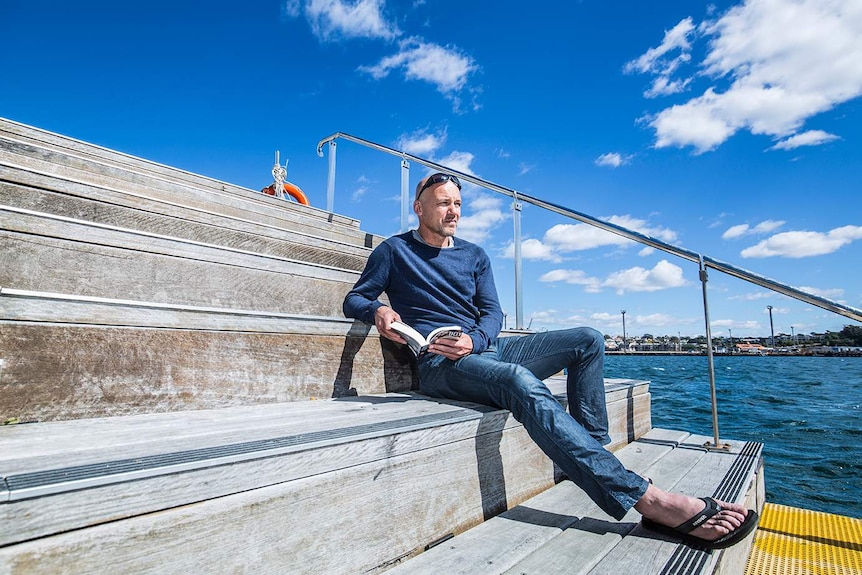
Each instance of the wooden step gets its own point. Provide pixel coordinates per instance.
(151, 216)
(562, 532)
(27, 153)
(96, 260)
(68, 357)
(338, 486)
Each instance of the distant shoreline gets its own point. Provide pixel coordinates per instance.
(725, 354)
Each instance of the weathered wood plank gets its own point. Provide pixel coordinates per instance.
(24, 186)
(575, 537)
(59, 170)
(91, 164)
(25, 223)
(290, 527)
(516, 541)
(586, 542)
(373, 428)
(32, 447)
(70, 372)
(686, 470)
(49, 514)
(113, 272)
(118, 210)
(60, 309)
(28, 448)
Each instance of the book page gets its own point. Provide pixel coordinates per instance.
(414, 338)
(448, 332)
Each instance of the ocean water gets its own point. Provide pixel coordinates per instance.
(807, 412)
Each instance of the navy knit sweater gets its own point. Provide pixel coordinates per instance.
(430, 287)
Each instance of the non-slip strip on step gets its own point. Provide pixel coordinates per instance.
(54, 481)
(690, 561)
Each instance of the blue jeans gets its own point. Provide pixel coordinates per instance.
(509, 376)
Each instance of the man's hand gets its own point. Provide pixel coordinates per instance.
(452, 349)
(383, 318)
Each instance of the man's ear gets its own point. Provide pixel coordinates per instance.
(417, 207)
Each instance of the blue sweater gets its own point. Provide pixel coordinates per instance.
(430, 287)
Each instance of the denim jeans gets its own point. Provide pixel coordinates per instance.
(509, 376)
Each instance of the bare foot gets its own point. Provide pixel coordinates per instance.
(673, 509)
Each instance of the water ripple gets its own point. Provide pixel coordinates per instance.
(805, 410)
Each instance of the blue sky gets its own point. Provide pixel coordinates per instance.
(733, 129)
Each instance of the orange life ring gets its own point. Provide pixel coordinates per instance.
(291, 190)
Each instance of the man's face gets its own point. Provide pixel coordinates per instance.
(439, 209)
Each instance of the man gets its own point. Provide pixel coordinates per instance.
(432, 279)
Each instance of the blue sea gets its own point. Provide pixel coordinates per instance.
(807, 412)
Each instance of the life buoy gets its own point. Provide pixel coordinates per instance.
(291, 190)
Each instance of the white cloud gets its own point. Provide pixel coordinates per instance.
(656, 60)
(804, 243)
(809, 138)
(606, 318)
(460, 162)
(554, 317)
(335, 19)
(612, 160)
(486, 214)
(744, 326)
(754, 296)
(421, 143)
(833, 293)
(767, 226)
(524, 169)
(563, 238)
(741, 230)
(576, 237)
(531, 249)
(785, 61)
(654, 320)
(646, 251)
(663, 276)
(445, 67)
(735, 231)
(575, 277)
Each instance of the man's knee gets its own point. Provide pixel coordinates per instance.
(587, 338)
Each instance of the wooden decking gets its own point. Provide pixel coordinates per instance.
(192, 401)
(562, 532)
(355, 485)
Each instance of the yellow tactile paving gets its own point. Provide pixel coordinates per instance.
(792, 541)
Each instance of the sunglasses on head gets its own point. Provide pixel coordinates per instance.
(438, 178)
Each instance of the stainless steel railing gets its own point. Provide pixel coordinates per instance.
(703, 262)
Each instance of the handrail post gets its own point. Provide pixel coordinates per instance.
(330, 179)
(710, 361)
(519, 288)
(405, 192)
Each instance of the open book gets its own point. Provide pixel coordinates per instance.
(418, 344)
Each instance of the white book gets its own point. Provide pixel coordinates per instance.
(418, 344)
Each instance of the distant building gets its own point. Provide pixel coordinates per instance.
(753, 348)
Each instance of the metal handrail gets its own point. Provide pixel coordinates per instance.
(762, 281)
(703, 262)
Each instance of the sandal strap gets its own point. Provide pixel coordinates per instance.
(712, 508)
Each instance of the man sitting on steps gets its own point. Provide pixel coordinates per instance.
(434, 279)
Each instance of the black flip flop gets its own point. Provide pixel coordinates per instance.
(712, 508)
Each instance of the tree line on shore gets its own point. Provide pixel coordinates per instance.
(849, 336)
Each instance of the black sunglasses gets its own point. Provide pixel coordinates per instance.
(439, 178)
